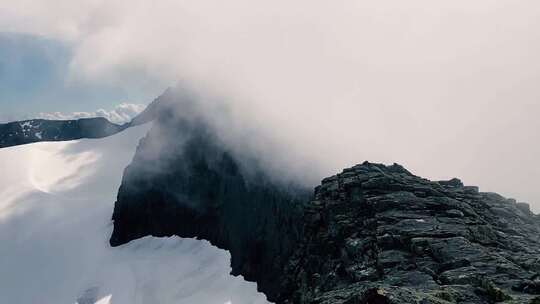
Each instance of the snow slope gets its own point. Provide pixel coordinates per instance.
(56, 200)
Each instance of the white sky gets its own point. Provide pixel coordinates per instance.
(446, 88)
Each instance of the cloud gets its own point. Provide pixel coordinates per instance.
(123, 113)
(445, 88)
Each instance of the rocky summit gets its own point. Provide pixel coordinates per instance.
(371, 234)
(379, 234)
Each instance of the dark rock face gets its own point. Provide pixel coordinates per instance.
(183, 182)
(36, 130)
(371, 234)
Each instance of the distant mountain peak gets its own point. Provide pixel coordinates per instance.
(37, 130)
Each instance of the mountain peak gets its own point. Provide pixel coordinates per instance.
(370, 234)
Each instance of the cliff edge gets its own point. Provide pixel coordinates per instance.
(371, 234)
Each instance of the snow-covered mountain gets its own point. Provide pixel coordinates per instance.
(55, 224)
(37, 130)
(56, 127)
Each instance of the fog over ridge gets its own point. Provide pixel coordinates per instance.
(446, 89)
(122, 113)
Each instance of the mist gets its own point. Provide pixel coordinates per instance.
(445, 89)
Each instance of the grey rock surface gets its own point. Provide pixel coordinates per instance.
(379, 234)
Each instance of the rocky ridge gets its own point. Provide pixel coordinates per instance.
(371, 234)
(379, 234)
(37, 130)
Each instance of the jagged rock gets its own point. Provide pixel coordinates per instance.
(444, 239)
(371, 234)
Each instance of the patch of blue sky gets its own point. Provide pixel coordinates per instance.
(34, 78)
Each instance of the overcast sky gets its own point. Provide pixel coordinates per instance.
(446, 88)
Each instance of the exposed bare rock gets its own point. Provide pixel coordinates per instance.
(378, 234)
(371, 234)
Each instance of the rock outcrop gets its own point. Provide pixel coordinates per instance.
(371, 234)
(379, 234)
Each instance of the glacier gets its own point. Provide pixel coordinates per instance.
(56, 201)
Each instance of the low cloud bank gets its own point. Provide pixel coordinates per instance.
(448, 89)
(123, 113)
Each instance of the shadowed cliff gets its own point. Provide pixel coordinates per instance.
(183, 181)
